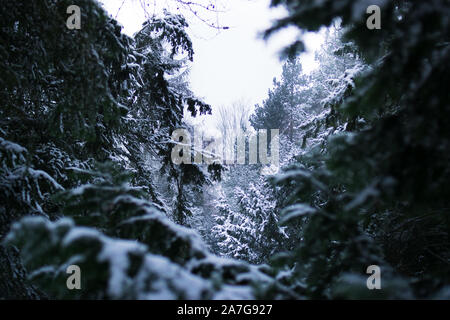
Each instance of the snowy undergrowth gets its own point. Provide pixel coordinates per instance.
(114, 268)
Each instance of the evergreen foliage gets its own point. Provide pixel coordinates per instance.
(86, 175)
(376, 193)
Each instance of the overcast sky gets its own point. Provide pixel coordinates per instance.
(233, 64)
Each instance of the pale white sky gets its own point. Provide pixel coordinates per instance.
(233, 64)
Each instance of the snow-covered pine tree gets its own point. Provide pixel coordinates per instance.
(160, 96)
(126, 245)
(378, 186)
(249, 232)
(59, 107)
